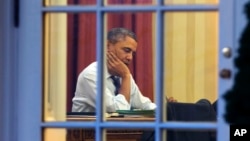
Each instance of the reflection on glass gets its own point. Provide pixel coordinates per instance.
(191, 1)
(191, 40)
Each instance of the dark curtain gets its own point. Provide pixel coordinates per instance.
(82, 44)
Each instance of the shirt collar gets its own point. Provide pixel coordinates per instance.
(106, 73)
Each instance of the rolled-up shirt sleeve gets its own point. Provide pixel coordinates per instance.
(139, 101)
(117, 102)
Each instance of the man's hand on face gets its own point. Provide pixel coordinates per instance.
(116, 66)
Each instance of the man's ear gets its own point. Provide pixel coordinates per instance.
(109, 46)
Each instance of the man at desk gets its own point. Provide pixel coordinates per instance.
(121, 91)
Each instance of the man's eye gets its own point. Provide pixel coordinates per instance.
(127, 50)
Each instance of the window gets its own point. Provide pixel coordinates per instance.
(158, 11)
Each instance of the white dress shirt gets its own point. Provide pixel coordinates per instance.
(86, 91)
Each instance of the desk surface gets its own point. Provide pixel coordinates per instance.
(93, 118)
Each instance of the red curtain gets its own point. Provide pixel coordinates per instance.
(82, 44)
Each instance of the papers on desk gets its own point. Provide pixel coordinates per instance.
(136, 113)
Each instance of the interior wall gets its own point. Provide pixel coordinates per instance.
(55, 72)
(191, 44)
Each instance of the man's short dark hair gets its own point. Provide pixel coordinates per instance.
(116, 34)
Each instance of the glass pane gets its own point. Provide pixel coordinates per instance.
(129, 2)
(191, 1)
(88, 134)
(133, 22)
(52, 134)
(63, 41)
(69, 2)
(182, 135)
(70, 47)
(124, 134)
(55, 49)
(143, 25)
(93, 2)
(122, 2)
(191, 42)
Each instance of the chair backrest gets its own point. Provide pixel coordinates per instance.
(200, 111)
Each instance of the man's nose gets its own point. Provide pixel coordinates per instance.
(130, 56)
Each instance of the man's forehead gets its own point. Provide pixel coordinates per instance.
(124, 38)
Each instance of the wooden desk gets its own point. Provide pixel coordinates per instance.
(112, 135)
